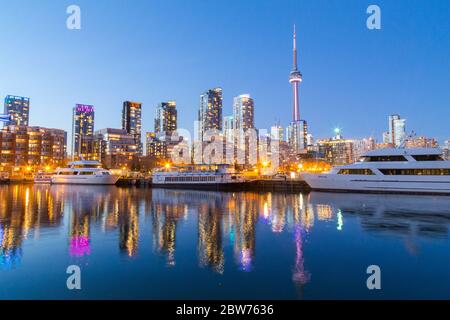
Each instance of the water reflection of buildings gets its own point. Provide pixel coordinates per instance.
(243, 213)
(166, 211)
(109, 207)
(24, 210)
(220, 216)
(210, 249)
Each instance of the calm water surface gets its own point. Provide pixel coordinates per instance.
(166, 244)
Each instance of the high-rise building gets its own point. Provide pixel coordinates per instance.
(277, 132)
(298, 128)
(337, 151)
(166, 118)
(161, 143)
(18, 109)
(243, 112)
(246, 138)
(397, 130)
(117, 147)
(82, 131)
(132, 122)
(298, 136)
(31, 146)
(156, 148)
(362, 146)
(210, 113)
(309, 139)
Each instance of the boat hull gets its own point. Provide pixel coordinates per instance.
(376, 184)
(85, 180)
(202, 186)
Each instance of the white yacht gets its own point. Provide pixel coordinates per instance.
(84, 172)
(389, 171)
(197, 176)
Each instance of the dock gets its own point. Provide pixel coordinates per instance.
(263, 185)
(255, 185)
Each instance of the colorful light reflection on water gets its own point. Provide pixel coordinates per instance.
(80, 246)
(175, 244)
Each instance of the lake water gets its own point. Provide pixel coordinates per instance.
(133, 243)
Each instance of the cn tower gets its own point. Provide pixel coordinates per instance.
(295, 79)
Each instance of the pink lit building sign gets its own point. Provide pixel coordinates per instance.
(85, 108)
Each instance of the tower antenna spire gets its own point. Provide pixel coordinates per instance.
(295, 48)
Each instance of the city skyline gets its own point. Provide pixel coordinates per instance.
(322, 115)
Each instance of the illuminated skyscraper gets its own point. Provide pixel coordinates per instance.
(18, 108)
(277, 132)
(210, 113)
(82, 130)
(132, 122)
(243, 114)
(161, 143)
(298, 130)
(243, 111)
(166, 118)
(397, 130)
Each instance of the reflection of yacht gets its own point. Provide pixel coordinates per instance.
(43, 178)
(84, 172)
(421, 215)
(197, 176)
(389, 170)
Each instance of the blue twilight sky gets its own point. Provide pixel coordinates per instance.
(151, 51)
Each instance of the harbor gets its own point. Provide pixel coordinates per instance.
(194, 244)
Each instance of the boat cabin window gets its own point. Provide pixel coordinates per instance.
(91, 166)
(86, 173)
(68, 173)
(366, 172)
(416, 172)
(382, 158)
(190, 179)
(428, 157)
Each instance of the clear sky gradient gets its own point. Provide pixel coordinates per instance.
(151, 51)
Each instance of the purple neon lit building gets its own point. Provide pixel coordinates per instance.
(82, 128)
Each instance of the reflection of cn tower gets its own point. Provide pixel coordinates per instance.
(300, 275)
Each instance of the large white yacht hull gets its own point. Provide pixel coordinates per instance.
(379, 184)
(86, 180)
